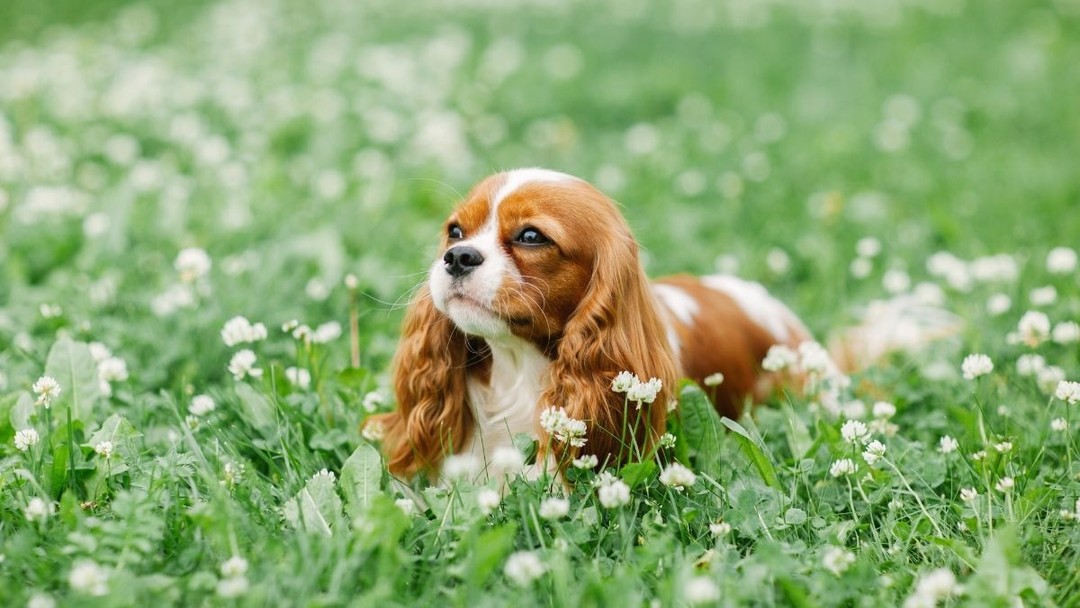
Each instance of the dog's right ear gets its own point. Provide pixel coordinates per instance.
(432, 418)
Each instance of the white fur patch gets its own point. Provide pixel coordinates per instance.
(519, 177)
(755, 301)
(678, 302)
(507, 405)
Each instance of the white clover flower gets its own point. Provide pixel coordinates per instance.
(554, 507)
(289, 326)
(232, 587)
(232, 473)
(1059, 425)
(523, 567)
(1061, 260)
(614, 494)
(242, 365)
(40, 600)
(507, 458)
(112, 369)
(89, 578)
(327, 332)
(715, 379)
(201, 405)
(1003, 447)
(998, 304)
(896, 281)
(1069, 392)
(841, 467)
(1049, 378)
(1066, 332)
(373, 431)
(854, 431)
(588, 461)
(234, 566)
(720, 528)
(38, 510)
(104, 449)
(1005, 485)
(50, 311)
(932, 588)
(47, 389)
(667, 441)
(968, 494)
(644, 392)
(779, 357)
(298, 377)
(700, 590)
(884, 409)
(351, 282)
(488, 500)
(407, 506)
(1043, 296)
(372, 401)
(855, 408)
(26, 438)
(99, 352)
(677, 476)
(623, 382)
(192, 263)
(458, 466)
(868, 247)
(837, 559)
(562, 427)
(1030, 364)
(875, 450)
(813, 358)
(238, 330)
(860, 268)
(1033, 328)
(948, 445)
(976, 365)
(977, 456)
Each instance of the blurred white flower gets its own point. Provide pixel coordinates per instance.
(614, 494)
(778, 261)
(700, 590)
(837, 559)
(47, 389)
(507, 459)
(192, 264)
(372, 401)
(104, 449)
(948, 445)
(1067, 332)
(1043, 296)
(677, 476)
(644, 392)
(407, 506)
(242, 365)
(715, 379)
(1049, 378)
(238, 330)
(234, 566)
(861, 268)
(968, 494)
(1061, 260)
(38, 510)
(373, 431)
(884, 409)
(842, 467)
(298, 377)
(896, 281)
(327, 332)
(1005, 485)
(89, 578)
(562, 427)
(998, 304)
(1033, 329)
(868, 247)
(26, 438)
(667, 441)
(1030, 364)
(854, 431)
(201, 405)
(232, 587)
(1059, 425)
(1069, 392)
(459, 466)
(976, 365)
(488, 500)
(979, 455)
(1003, 447)
(523, 567)
(932, 588)
(588, 461)
(554, 507)
(720, 528)
(778, 358)
(40, 600)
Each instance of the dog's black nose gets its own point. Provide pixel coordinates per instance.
(461, 260)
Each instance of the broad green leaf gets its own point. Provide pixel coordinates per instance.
(21, 411)
(315, 507)
(1001, 573)
(637, 472)
(72, 365)
(489, 548)
(755, 451)
(361, 478)
(701, 429)
(115, 429)
(795, 516)
(257, 408)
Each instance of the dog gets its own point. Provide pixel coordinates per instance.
(538, 318)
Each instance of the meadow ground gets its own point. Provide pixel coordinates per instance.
(166, 167)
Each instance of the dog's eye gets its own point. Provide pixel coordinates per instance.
(531, 236)
(455, 233)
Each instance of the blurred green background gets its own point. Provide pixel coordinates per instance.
(300, 141)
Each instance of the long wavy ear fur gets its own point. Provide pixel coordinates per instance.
(615, 328)
(432, 418)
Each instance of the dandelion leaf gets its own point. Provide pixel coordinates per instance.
(72, 365)
(315, 507)
(361, 479)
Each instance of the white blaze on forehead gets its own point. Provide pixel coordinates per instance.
(763, 309)
(681, 304)
(519, 177)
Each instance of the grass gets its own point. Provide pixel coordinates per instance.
(297, 143)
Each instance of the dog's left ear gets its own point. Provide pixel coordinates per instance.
(615, 328)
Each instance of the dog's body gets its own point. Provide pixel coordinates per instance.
(537, 300)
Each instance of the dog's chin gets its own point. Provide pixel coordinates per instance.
(474, 318)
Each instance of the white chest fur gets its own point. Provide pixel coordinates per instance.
(507, 404)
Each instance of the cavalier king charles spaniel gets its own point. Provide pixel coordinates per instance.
(537, 299)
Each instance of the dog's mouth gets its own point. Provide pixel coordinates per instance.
(461, 298)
